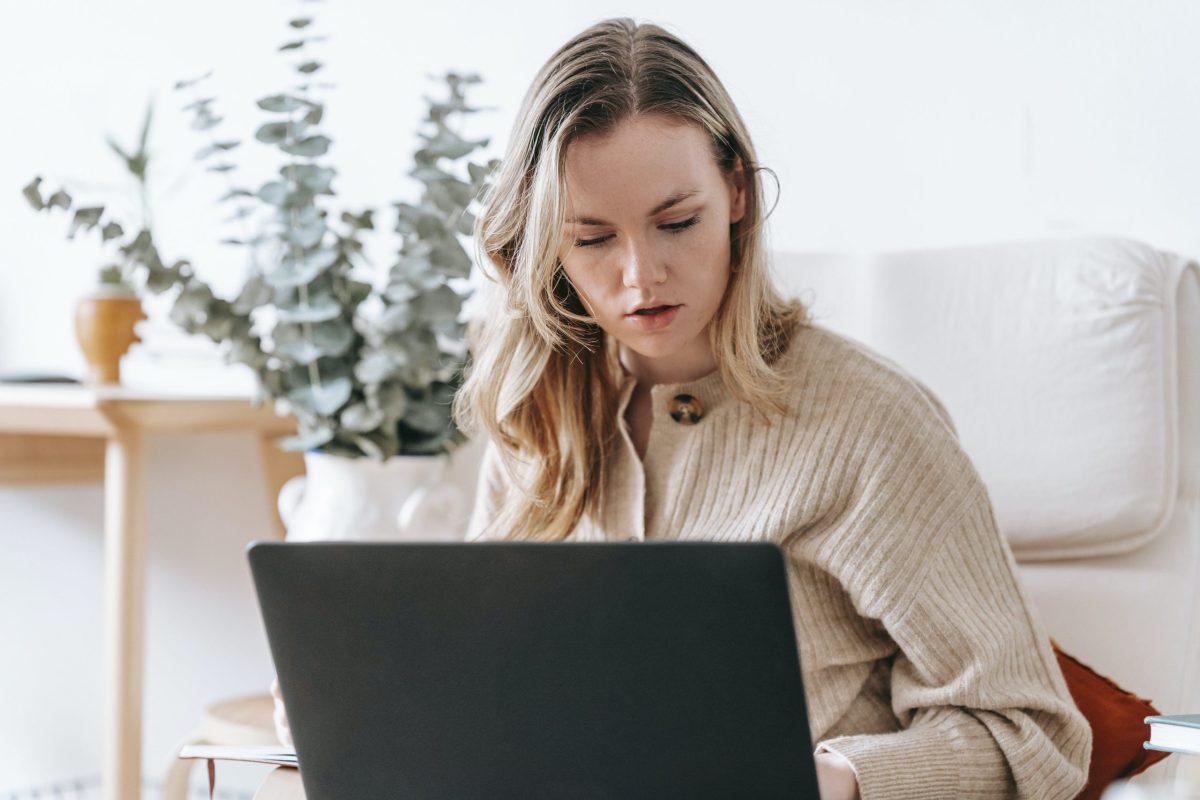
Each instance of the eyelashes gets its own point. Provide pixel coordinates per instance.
(675, 227)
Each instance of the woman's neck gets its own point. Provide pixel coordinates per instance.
(692, 362)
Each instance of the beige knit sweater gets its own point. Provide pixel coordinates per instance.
(925, 663)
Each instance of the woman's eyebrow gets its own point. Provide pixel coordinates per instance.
(673, 199)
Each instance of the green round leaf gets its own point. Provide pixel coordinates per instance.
(310, 147)
(281, 103)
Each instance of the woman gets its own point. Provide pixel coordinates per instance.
(639, 377)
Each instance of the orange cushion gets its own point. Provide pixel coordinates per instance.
(1118, 729)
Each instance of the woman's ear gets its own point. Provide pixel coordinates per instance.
(737, 191)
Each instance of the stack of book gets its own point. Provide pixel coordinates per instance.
(279, 755)
(1177, 733)
(169, 360)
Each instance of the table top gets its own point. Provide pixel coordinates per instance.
(83, 410)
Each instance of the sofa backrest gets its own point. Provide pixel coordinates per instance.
(1071, 368)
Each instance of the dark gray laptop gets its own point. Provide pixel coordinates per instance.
(555, 671)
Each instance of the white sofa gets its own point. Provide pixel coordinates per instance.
(1071, 368)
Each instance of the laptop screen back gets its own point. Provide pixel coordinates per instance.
(537, 670)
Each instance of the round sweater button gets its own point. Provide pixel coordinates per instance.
(685, 409)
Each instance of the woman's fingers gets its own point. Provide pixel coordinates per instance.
(283, 730)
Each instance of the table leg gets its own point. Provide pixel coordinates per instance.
(124, 613)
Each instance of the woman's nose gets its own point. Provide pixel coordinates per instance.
(641, 267)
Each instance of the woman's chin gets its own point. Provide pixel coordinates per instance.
(656, 347)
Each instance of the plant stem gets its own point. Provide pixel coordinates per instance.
(314, 373)
(245, 231)
(147, 223)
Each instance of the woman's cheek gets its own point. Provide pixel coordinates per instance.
(590, 294)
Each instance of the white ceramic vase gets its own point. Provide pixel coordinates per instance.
(406, 498)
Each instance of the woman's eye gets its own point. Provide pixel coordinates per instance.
(674, 227)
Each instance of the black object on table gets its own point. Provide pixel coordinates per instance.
(36, 377)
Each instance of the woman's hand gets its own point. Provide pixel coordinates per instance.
(283, 731)
(836, 778)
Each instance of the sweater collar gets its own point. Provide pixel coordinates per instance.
(710, 389)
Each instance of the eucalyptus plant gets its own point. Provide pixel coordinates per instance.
(137, 163)
(360, 384)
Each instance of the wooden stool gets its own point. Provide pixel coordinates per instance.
(245, 720)
(283, 783)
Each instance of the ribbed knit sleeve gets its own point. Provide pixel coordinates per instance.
(974, 683)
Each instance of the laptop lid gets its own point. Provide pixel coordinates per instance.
(537, 670)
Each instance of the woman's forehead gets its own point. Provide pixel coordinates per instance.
(636, 169)
(638, 140)
(669, 201)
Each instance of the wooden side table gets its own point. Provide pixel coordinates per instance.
(73, 433)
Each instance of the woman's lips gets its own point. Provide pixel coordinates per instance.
(656, 321)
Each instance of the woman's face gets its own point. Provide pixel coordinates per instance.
(648, 216)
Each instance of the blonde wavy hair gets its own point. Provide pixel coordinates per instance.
(543, 380)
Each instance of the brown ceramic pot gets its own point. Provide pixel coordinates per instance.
(104, 322)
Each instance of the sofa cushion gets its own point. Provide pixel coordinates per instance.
(1057, 361)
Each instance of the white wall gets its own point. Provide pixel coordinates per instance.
(889, 124)
(204, 639)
